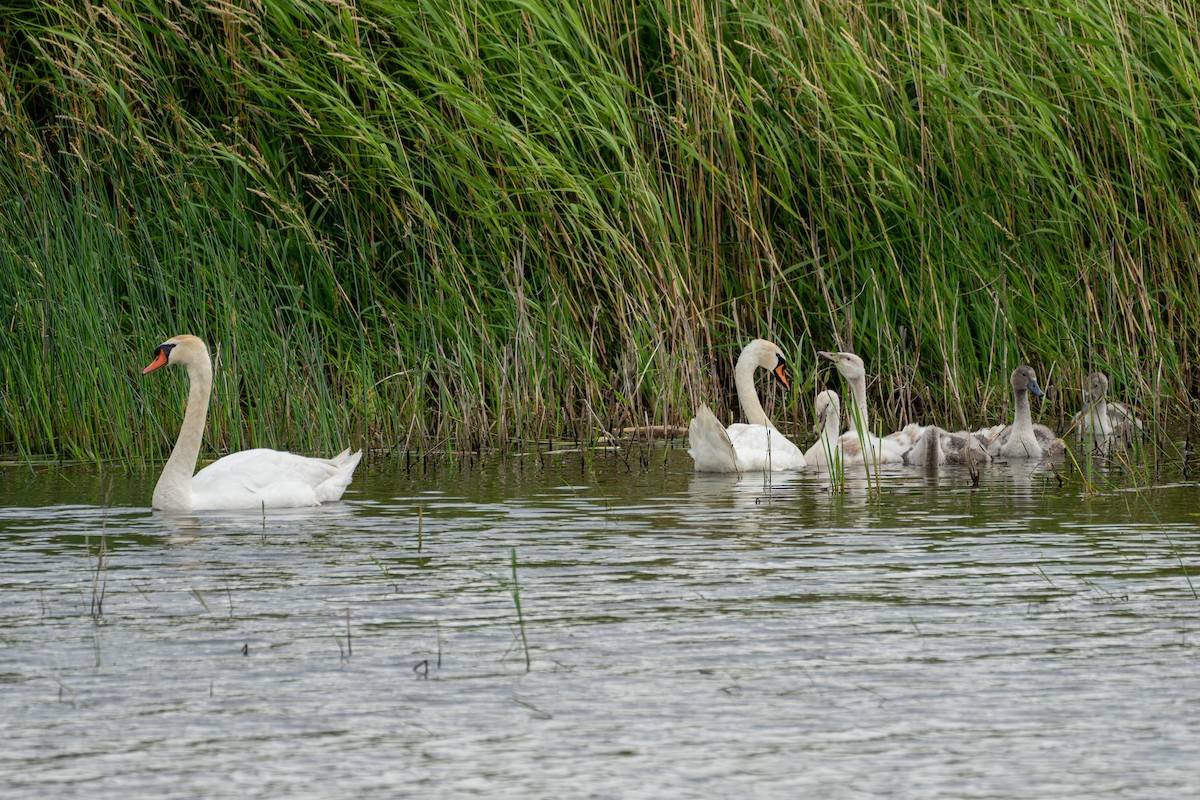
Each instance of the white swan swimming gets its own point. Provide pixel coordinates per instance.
(828, 412)
(858, 444)
(250, 479)
(1022, 439)
(1101, 420)
(753, 447)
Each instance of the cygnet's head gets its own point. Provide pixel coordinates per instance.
(1025, 379)
(850, 365)
(827, 407)
(1097, 386)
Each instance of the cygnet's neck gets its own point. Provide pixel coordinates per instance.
(858, 407)
(831, 431)
(1022, 422)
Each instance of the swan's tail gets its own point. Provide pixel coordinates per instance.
(333, 486)
(928, 449)
(710, 447)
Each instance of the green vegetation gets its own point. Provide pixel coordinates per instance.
(456, 223)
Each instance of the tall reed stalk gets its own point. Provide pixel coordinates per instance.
(456, 223)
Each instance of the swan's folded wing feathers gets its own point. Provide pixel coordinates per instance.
(272, 478)
(710, 447)
(760, 448)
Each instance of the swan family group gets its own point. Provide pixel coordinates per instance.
(264, 478)
(757, 445)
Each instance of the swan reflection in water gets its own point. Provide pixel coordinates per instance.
(183, 528)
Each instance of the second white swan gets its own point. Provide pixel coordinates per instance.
(755, 446)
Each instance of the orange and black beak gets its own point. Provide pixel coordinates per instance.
(160, 358)
(780, 373)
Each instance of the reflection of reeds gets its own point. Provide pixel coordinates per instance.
(99, 576)
(348, 650)
(1132, 465)
(836, 465)
(514, 589)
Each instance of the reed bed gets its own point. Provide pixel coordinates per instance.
(464, 223)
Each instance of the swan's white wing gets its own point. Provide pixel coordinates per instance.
(760, 448)
(272, 478)
(710, 447)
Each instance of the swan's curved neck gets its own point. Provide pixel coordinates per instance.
(743, 379)
(858, 407)
(174, 488)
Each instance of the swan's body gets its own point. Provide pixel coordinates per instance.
(250, 479)
(754, 447)
(1101, 420)
(1022, 439)
(859, 445)
(828, 448)
(937, 446)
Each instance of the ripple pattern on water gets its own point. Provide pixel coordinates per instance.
(691, 636)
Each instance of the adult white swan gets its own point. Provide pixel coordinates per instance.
(1022, 439)
(754, 447)
(247, 480)
(859, 445)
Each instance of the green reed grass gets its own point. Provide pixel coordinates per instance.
(456, 224)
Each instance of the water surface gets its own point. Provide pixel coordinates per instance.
(689, 636)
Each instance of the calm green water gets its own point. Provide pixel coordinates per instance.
(690, 637)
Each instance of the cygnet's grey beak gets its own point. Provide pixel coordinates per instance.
(1035, 389)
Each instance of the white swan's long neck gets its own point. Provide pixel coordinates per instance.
(174, 488)
(858, 408)
(743, 379)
